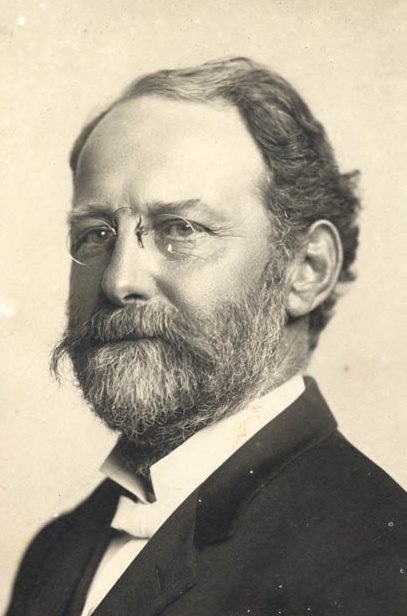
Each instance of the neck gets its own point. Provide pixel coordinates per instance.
(294, 355)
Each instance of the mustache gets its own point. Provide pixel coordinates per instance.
(112, 325)
(132, 322)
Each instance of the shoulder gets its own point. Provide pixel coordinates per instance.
(340, 490)
(95, 511)
(342, 473)
(344, 521)
(364, 513)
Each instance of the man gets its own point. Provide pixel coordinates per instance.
(209, 229)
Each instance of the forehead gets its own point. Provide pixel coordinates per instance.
(154, 149)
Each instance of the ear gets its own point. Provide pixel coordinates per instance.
(314, 271)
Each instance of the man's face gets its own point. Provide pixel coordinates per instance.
(154, 151)
(206, 324)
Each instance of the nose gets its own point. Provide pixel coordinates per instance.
(129, 275)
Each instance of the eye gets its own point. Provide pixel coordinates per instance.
(180, 229)
(96, 236)
(88, 242)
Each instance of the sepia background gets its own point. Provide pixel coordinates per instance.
(63, 60)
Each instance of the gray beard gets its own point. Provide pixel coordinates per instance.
(157, 379)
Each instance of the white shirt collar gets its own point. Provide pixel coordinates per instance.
(179, 473)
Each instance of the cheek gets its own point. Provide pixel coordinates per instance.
(84, 291)
(200, 288)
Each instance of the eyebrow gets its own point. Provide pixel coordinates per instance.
(106, 211)
(83, 211)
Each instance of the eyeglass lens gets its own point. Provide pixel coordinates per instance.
(173, 236)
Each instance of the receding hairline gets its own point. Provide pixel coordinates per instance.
(219, 103)
(218, 81)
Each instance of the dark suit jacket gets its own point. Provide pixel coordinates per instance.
(295, 523)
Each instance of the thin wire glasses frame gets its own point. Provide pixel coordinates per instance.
(175, 237)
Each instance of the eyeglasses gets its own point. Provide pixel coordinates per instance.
(174, 237)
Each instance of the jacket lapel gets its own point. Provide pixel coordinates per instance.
(304, 423)
(162, 572)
